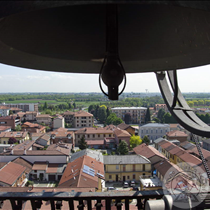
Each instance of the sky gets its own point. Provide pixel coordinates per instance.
(15, 79)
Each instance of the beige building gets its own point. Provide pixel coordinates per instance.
(58, 122)
(19, 136)
(126, 167)
(137, 114)
(79, 119)
(30, 116)
(44, 118)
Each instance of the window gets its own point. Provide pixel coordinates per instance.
(143, 167)
(98, 135)
(88, 136)
(104, 135)
(124, 168)
(35, 171)
(109, 135)
(134, 176)
(78, 136)
(93, 135)
(128, 177)
(110, 176)
(117, 166)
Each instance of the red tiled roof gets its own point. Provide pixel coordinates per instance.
(95, 142)
(18, 134)
(190, 159)
(62, 132)
(24, 163)
(176, 133)
(15, 109)
(176, 150)
(43, 116)
(25, 145)
(52, 168)
(11, 172)
(74, 176)
(90, 130)
(121, 133)
(82, 114)
(63, 148)
(40, 166)
(3, 128)
(147, 151)
(4, 107)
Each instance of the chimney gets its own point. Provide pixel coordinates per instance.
(24, 151)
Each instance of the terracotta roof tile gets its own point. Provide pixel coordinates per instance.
(147, 151)
(74, 175)
(95, 142)
(90, 130)
(18, 134)
(4, 107)
(41, 166)
(25, 163)
(82, 113)
(11, 172)
(3, 128)
(176, 133)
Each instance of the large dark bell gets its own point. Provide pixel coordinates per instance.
(70, 36)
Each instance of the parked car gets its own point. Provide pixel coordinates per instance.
(125, 184)
(132, 183)
(111, 188)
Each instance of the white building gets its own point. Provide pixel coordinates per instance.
(4, 111)
(58, 122)
(154, 130)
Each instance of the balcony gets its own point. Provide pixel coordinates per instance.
(19, 199)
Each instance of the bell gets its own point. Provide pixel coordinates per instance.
(111, 38)
(70, 36)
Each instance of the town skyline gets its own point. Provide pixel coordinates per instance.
(27, 80)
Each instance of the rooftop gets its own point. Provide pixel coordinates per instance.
(131, 108)
(157, 125)
(125, 159)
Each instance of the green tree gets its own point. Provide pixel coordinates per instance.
(146, 140)
(123, 148)
(18, 128)
(160, 114)
(107, 112)
(157, 120)
(113, 119)
(45, 105)
(10, 112)
(147, 116)
(74, 105)
(83, 143)
(135, 141)
(102, 114)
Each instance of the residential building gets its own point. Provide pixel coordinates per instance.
(43, 140)
(33, 128)
(88, 152)
(20, 136)
(78, 119)
(52, 156)
(94, 134)
(161, 106)
(62, 135)
(153, 130)
(58, 122)
(126, 167)
(44, 118)
(61, 147)
(83, 172)
(137, 114)
(149, 152)
(15, 110)
(178, 135)
(12, 121)
(4, 111)
(4, 128)
(12, 175)
(128, 128)
(24, 106)
(83, 119)
(30, 116)
(45, 171)
(28, 165)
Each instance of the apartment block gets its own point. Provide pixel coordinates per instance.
(137, 114)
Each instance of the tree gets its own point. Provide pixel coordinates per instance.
(135, 141)
(83, 143)
(157, 120)
(12, 140)
(127, 118)
(107, 112)
(147, 116)
(113, 119)
(160, 114)
(102, 114)
(123, 148)
(18, 128)
(10, 112)
(74, 104)
(45, 105)
(146, 140)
